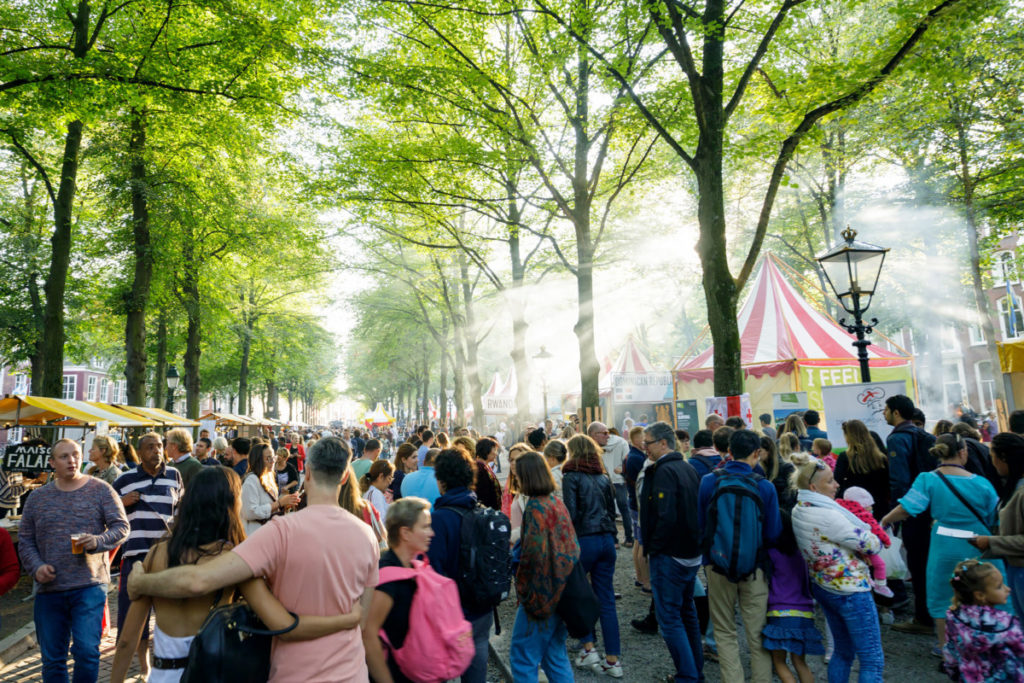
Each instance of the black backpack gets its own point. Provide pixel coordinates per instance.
(485, 557)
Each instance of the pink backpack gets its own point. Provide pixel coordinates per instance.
(439, 643)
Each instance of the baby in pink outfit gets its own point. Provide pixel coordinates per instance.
(858, 501)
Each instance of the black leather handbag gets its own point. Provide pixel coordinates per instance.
(578, 607)
(232, 645)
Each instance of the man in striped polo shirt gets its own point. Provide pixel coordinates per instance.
(150, 493)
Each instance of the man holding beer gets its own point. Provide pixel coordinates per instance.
(67, 530)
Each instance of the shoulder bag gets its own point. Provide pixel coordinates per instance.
(232, 645)
(964, 501)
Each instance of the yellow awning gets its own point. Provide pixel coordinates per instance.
(161, 416)
(1011, 356)
(40, 410)
(229, 419)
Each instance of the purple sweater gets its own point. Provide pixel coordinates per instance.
(49, 519)
(790, 587)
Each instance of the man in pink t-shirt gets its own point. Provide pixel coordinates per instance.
(319, 561)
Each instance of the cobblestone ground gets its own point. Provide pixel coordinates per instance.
(645, 658)
(29, 668)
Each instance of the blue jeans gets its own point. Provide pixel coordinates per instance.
(597, 555)
(72, 617)
(853, 619)
(539, 643)
(477, 671)
(673, 586)
(1015, 578)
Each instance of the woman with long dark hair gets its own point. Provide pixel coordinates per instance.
(260, 499)
(589, 498)
(208, 523)
(864, 464)
(1007, 451)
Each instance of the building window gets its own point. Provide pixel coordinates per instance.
(948, 339)
(91, 389)
(986, 386)
(1007, 268)
(21, 384)
(122, 391)
(952, 383)
(1011, 321)
(70, 387)
(976, 335)
(104, 394)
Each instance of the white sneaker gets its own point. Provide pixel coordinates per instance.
(608, 669)
(588, 659)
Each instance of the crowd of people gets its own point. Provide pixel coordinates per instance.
(353, 545)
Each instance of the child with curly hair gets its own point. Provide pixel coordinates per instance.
(983, 642)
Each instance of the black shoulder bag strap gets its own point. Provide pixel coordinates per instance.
(964, 501)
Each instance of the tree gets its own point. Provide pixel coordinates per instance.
(706, 41)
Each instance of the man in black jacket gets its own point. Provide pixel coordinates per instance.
(671, 539)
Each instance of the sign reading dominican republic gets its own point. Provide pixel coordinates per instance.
(641, 387)
(27, 458)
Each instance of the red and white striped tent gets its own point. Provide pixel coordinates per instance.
(500, 398)
(789, 345)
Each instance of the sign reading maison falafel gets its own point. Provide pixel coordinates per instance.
(27, 458)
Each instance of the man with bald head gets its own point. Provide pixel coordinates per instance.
(615, 451)
(71, 576)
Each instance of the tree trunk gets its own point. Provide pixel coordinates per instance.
(980, 299)
(425, 397)
(273, 399)
(160, 372)
(243, 371)
(60, 259)
(36, 359)
(138, 298)
(518, 313)
(472, 344)
(442, 397)
(60, 256)
(193, 339)
(590, 369)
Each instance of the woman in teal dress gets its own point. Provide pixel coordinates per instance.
(931, 492)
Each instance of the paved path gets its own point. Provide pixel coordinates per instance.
(29, 668)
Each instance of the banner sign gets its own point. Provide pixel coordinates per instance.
(641, 387)
(787, 403)
(28, 459)
(814, 378)
(864, 402)
(730, 406)
(499, 405)
(686, 415)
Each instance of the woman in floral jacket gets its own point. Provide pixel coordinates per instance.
(833, 542)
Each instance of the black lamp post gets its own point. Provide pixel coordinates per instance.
(852, 269)
(172, 384)
(542, 359)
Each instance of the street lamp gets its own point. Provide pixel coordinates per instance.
(852, 269)
(542, 359)
(449, 393)
(172, 384)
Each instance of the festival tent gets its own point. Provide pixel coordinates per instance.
(788, 345)
(500, 399)
(378, 417)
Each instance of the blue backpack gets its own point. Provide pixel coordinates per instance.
(733, 537)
